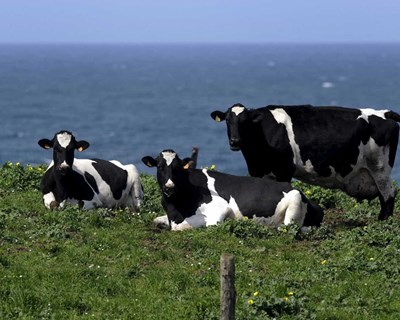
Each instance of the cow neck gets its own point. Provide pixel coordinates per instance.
(183, 185)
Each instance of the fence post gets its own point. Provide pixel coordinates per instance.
(228, 293)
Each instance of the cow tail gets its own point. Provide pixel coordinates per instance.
(392, 115)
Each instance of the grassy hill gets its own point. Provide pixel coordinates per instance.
(108, 264)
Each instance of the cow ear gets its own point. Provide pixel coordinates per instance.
(45, 143)
(149, 161)
(81, 145)
(256, 117)
(218, 116)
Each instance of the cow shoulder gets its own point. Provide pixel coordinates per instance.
(79, 187)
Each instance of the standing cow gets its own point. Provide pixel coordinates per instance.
(193, 198)
(350, 149)
(90, 183)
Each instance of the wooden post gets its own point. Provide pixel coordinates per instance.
(228, 293)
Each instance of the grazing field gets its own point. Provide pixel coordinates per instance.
(108, 264)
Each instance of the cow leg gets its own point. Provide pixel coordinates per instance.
(192, 222)
(387, 207)
(387, 193)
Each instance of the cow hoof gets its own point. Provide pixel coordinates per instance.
(162, 223)
(134, 211)
(54, 205)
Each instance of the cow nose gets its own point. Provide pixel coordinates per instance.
(64, 168)
(169, 188)
(235, 143)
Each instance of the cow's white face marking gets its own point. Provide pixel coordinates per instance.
(64, 139)
(170, 184)
(365, 113)
(168, 157)
(237, 110)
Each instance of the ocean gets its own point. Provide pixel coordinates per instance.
(129, 101)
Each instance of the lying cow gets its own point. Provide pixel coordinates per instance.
(90, 183)
(350, 149)
(194, 198)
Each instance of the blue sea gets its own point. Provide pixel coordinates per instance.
(130, 101)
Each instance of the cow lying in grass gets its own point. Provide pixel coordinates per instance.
(90, 183)
(194, 198)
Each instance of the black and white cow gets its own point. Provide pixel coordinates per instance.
(350, 149)
(194, 198)
(90, 183)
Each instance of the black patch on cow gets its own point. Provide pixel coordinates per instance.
(77, 188)
(328, 136)
(113, 175)
(254, 196)
(92, 182)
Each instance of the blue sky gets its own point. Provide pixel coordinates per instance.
(147, 21)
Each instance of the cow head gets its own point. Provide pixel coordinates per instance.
(64, 145)
(171, 171)
(237, 118)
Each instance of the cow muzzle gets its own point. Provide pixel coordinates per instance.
(234, 144)
(169, 188)
(63, 169)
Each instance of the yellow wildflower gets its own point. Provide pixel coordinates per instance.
(286, 298)
(255, 294)
(212, 167)
(323, 262)
(290, 293)
(250, 301)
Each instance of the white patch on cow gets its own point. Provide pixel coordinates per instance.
(365, 113)
(237, 110)
(170, 184)
(64, 139)
(168, 157)
(291, 209)
(282, 117)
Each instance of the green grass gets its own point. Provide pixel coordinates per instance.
(108, 264)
